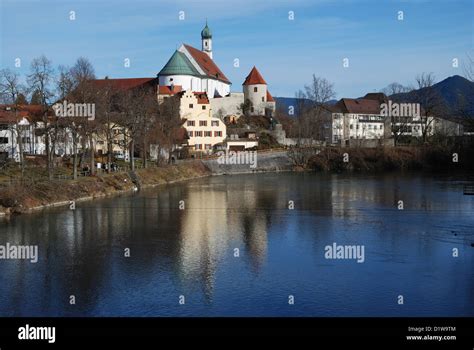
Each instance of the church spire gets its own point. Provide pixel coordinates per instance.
(206, 38)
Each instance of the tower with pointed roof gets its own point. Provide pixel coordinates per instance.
(256, 91)
(206, 38)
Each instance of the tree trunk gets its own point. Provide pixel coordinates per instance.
(109, 153)
(74, 159)
(92, 160)
(145, 163)
(48, 154)
(20, 149)
(132, 158)
(83, 153)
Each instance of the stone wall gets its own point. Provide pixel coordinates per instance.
(229, 104)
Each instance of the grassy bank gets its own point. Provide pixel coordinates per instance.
(429, 158)
(38, 192)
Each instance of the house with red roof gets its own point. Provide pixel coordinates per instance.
(20, 124)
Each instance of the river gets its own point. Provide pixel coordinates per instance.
(250, 245)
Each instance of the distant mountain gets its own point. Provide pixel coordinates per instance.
(456, 92)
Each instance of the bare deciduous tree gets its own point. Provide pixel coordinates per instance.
(395, 88)
(40, 79)
(430, 102)
(11, 89)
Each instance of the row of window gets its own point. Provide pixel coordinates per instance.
(207, 146)
(202, 123)
(370, 126)
(191, 105)
(206, 133)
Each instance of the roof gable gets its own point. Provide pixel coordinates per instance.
(206, 64)
(359, 106)
(269, 97)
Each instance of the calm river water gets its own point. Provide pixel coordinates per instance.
(189, 255)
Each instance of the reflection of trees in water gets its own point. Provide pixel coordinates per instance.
(81, 251)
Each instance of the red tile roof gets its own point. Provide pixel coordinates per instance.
(269, 97)
(24, 111)
(202, 98)
(359, 106)
(378, 96)
(207, 64)
(9, 117)
(167, 90)
(124, 84)
(254, 77)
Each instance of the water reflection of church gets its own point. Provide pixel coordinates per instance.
(216, 222)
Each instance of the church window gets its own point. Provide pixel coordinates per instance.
(255, 89)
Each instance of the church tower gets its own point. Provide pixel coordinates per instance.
(206, 37)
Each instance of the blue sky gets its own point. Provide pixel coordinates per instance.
(380, 48)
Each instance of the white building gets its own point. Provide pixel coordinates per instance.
(195, 70)
(353, 119)
(22, 123)
(204, 131)
(256, 91)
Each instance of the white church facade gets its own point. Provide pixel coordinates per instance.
(205, 93)
(190, 69)
(195, 70)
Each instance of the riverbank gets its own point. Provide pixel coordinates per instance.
(35, 195)
(39, 194)
(428, 158)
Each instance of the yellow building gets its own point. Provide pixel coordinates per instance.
(204, 131)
